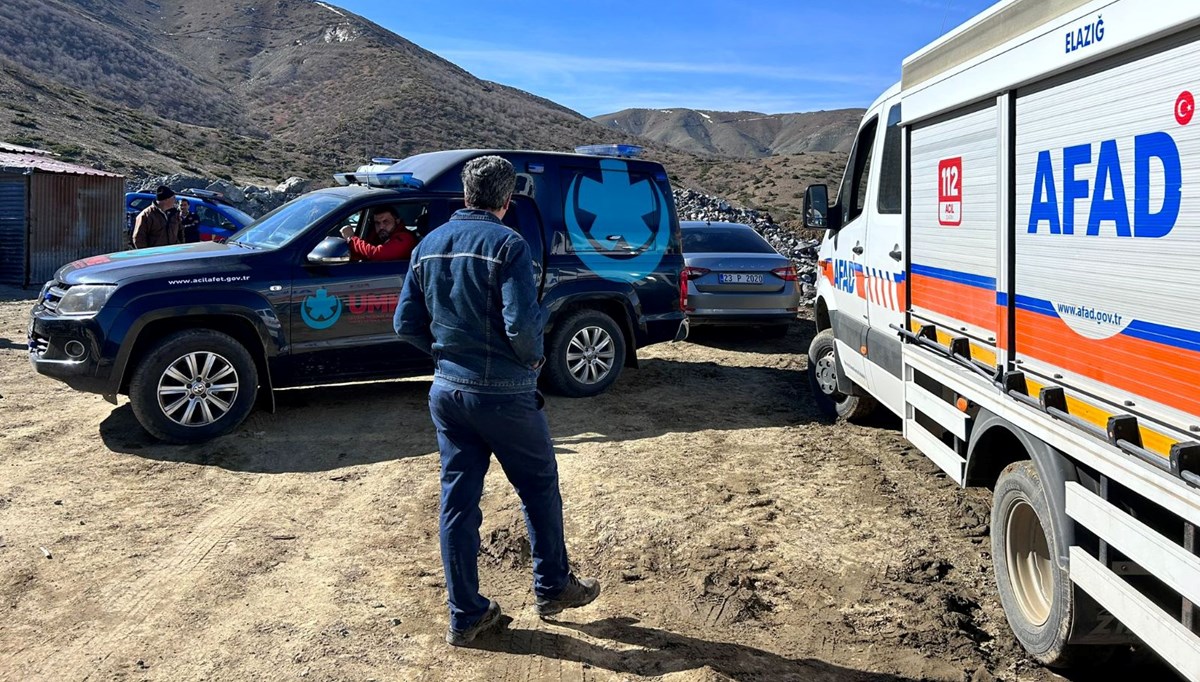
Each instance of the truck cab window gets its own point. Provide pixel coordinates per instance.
(853, 194)
(890, 168)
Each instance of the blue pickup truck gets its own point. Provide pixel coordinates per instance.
(198, 334)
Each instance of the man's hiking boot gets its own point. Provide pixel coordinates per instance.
(577, 593)
(490, 619)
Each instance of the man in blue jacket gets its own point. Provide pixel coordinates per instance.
(470, 300)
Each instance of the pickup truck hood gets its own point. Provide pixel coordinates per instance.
(161, 261)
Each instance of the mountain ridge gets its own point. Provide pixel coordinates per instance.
(739, 134)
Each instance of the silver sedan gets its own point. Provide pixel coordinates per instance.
(735, 277)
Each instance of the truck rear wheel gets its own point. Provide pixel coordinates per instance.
(822, 377)
(585, 356)
(1038, 597)
(194, 386)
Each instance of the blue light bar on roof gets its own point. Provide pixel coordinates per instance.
(624, 151)
(384, 160)
(394, 180)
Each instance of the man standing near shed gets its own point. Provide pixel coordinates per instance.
(158, 224)
(471, 301)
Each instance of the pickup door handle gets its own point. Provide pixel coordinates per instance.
(858, 249)
(896, 254)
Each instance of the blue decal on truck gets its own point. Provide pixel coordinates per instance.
(1085, 36)
(1151, 152)
(622, 208)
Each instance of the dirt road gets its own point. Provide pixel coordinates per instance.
(738, 537)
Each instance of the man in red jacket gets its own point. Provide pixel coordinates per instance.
(394, 241)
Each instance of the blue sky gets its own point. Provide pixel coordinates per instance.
(600, 57)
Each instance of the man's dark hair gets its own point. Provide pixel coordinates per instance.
(390, 210)
(488, 182)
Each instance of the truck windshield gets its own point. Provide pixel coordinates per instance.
(281, 226)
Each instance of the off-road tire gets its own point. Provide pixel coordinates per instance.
(1018, 493)
(144, 386)
(833, 403)
(558, 377)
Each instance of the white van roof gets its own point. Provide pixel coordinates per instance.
(989, 29)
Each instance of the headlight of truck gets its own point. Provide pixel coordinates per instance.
(86, 299)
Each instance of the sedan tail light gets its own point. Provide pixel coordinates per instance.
(787, 274)
(686, 276)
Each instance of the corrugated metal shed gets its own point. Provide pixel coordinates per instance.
(53, 212)
(21, 162)
(13, 228)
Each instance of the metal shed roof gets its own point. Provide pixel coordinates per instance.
(16, 162)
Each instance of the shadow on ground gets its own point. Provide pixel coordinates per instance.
(331, 427)
(662, 652)
(756, 340)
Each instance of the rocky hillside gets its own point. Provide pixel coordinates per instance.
(740, 134)
(246, 89)
(255, 92)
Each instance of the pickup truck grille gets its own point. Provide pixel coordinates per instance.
(52, 296)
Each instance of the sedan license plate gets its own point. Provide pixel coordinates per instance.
(739, 278)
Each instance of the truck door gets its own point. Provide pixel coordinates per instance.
(884, 271)
(849, 248)
(342, 311)
(955, 193)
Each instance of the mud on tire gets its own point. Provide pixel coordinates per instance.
(822, 378)
(1038, 597)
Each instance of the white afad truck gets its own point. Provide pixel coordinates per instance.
(1012, 266)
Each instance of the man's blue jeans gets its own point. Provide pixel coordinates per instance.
(470, 427)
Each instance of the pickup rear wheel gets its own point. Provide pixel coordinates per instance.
(586, 354)
(194, 386)
(822, 377)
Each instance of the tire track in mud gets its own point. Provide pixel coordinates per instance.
(126, 606)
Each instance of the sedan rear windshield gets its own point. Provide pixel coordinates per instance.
(724, 240)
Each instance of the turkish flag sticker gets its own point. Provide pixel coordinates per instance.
(1185, 108)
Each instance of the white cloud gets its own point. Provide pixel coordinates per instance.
(537, 64)
(595, 101)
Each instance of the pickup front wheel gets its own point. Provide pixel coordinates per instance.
(194, 386)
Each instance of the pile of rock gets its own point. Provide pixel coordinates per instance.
(252, 199)
(693, 205)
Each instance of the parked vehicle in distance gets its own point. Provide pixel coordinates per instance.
(218, 220)
(734, 277)
(196, 334)
(1009, 267)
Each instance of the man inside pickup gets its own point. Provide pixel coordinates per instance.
(390, 239)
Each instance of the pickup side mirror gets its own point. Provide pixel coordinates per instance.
(816, 209)
(331, 250)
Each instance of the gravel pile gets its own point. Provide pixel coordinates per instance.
(693, 205)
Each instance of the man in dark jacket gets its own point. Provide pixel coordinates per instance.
(471, 301)
(158, 224)
(189, 221)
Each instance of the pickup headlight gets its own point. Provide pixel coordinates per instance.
(85, 299)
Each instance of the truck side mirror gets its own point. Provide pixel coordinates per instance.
(816, 208)
(331, 250)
